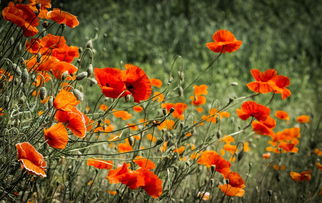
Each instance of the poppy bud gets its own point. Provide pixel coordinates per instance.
(90, 70)
(240, 155)
(180, 91)
(213, 168)
(50, 102)
(234, 83)
(218, 134)
(80, 50)
(25, 75)
(43, 93)
(158, 142)
(89, 44)
(128, 98)
(171, 110)
(92, 81)
(81, 76)
(16, 68)
(164, 111)
(181, 75)
(79, 95)
(131, 141)
(230, 100)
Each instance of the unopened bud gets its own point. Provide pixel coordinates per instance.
(92, 81)
(50, 102)
(128, 98)
(89, 44)
(172, 110)
(159, 142)
(81, 76)
(234, 83)
(164, 111)
(90, 70)
(180, 91)
(64, 75)
(79, 95)
(131, 141)
(43, 93)
(181, 75)
(25, 76)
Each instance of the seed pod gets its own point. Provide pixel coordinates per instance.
(79, 95)
(92, 81)
(90, 69)
(89, 44)
(17, 69)
(180, 91)
(25, 76)
(81, 75)
(234, 83)
(50, 102)
(43, 93)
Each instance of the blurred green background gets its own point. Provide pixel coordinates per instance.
(285, 35)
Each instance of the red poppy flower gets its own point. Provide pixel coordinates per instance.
(232, 191)
(22, 16)
(224, 41)
(137, 108)
(211, 158)
(303, 176)
(56, 136)
(75, 120)
(60, 67)
(144, 162)
(65, 100)
(31, 159)
(198, 100)
(100, 164)
(251, 108)
(261, 129)
(137, 83)
(44, 5)
(235, 180)
(303, 119)
(200, 90)
(110, 81)
(179, 109)
(62, 17)
(156, 82)
(132, 179)
(124, 147)
(282, 115)
(152, 183)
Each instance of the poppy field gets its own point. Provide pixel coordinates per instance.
(165, 101)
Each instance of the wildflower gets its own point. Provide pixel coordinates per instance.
(264, 127)
(279, 167)
(151, 137)
(156, 82)
(103, 107)
(22, 16)
(124, 147)
(224, 41)
(100, 164)
(144, 163)
(56, 136)
(303, 119)
(137, 108)
(266, 155)
(179, 109)
(200, 90)
(282, 115)
(167, 124)
(232, 191)
(269, 81)
(303, 176)
(198, 100)
(204, 195)
(62, 17)
(251, 108)
(158, 96)
(59, 68)
(124, 115)
(179, 150)
(211, 158)
(152, 183)
(318, 152)
(65, 100)
(76, 121)
(31, 159)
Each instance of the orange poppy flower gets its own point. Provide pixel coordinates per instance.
(235, 180)
(152, 183)
(282, 115)
(227, 139)
(124, 115)
(318, 152)
(22, 16)
(137, 108)
(45, 64)
(65, 100)
(288, 147)
(303, 176)
(124, 147)
(230, 148)
(44, 5)
(156, 82)
(31, 159)
(75, 120)
(158, 96)
(224, 41)
(279, 167)
(232, 191)
(318, 165)
(287, 134)
(110, 81)
(56, 136)
(144, 162)
(60, 67)
(167, 124)
(100, 164)
(67, 53)
(266, 155)
(151, 137)
(179, 150)
(269, 81)
(261, 129)
(179, 109)
(132, 179)
(251, 108)
(198, 100)
(303, 119)
(137, 83)
(62, 17)
(211, 158)
(200, 90)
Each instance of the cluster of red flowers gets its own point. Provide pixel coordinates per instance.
(117, 83)
(27, 16)
(235, 184)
